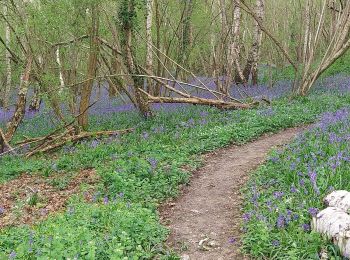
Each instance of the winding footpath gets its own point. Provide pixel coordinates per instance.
(205, 220)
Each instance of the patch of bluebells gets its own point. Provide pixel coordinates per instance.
(289, 189)
(153, 162)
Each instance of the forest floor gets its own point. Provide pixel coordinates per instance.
(205, 221)
(50, 217)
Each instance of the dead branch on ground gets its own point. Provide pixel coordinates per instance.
(199, 101)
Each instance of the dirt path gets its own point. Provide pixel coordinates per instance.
(205, 221)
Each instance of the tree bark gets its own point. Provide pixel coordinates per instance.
(60, 69)
(251, 67)
(36, 100)
(83, 119)
(5, 99)
(234, 47)
(307, 35)
(21, 102)
(157, 89)
(149, 45)
(141, 100)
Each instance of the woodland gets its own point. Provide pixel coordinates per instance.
(124, 122)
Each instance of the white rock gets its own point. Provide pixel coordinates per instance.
(185, 257)
(339, 199)
(335, 224)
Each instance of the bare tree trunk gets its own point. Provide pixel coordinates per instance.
(21, 102)
(159, 64)
(235, 69)
(307, 35)
(58, 60)
(36, 100)
(91, 70)
(214, 51)
(223, 52)
(251, 67)
(186, 31)
(141, 99)
(149, 47)
(5, 99)
(337, 47)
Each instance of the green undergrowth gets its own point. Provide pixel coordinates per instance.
(286, 192)
(138, 171)
(340, 67)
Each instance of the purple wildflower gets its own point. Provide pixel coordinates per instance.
(12, 255)
(153, 162)
(274, 159)
(281, 221)
(105, 200)
(293, 166)
(191, 122)
(247, 216)
(232, 240)
(94, 143)
(2, 210)
(276, 243)
(278, 194)
(295, 216)
(145, 135)
(204, 114)
(306, 227)
(313, 211)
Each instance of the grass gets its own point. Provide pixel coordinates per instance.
(340, 67)
(138, 171)
(288, 190)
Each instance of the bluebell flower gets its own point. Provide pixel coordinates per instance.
(275, 243)
(306, 227)
(313, 211)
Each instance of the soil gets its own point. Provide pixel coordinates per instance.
(31, 198)
(205, 221)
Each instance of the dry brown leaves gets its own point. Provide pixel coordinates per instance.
(31, 198)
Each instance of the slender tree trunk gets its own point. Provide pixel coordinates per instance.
(21, 102)
(141, 100)
(60, 69)
(7, 89)
(214, 50)
(224, 55)
(251, 67)
(36, 100)
(159, 64)
(235, 48)
(83, 119)
(339, 45)
(186, 31)
(149, 46)
(307, 35)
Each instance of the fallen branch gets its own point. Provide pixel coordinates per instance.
(54, 142)
(4, 145)
(199, 101)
